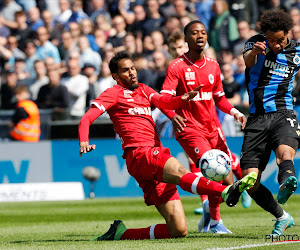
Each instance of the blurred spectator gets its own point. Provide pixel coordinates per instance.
(25, 122)
(65, 14)
(31, 57)
(35, 20)
(22, 74)
(22, 31)
(172, 25)
(118, 22)
(47, 17)
(99, 9)
(52, 6)
(232, 93)
(226, 56)
(177, 44)
(245, 33)
(130, 44)
(160, 67)
(89, 71)
(295, 15)
(154, 20)
(203, 11)
(40, 80)
(155, 42)
(9, 9)
(87, 29)
(4, 31)
(100, 40)
(239, 71)
(103, 24)
(295, 33)
(8, 100)
(223, 29)
(77, 13)
(46, 48)
(244, 10)
(105, 79)
(77, 86)
(181, 9)
(67, 45)
(140, 16)
(26, 4)
(74, 28)
(143, 72)
(87, 55)
(53, 95)
(50, 64)
(125, 11)
(11, 52)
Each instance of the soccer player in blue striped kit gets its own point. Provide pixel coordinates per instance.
(272, 61)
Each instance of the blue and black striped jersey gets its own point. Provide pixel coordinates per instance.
(270, 80)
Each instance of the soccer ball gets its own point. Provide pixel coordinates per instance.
(215, 165)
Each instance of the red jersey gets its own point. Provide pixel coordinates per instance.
(130, 112)
(183, 75)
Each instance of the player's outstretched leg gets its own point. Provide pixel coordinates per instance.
(287, 189)
(282, 224)
(115, 232)
(232, 193)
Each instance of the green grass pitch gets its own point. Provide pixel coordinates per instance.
(70, 225)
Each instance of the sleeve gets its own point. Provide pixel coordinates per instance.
(19, 114)
(83, 129)
(251, 41)
(171, 81)
(162, 101)
(219, 94)
(106, 99)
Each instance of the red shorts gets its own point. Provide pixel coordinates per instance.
(146, 165)
(195, 143)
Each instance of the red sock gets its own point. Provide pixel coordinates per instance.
(236, 167)
(193, 168)
(214, 207)
(158, 231)
(204, 197)
(200, 185)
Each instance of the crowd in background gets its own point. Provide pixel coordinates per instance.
(60, 49)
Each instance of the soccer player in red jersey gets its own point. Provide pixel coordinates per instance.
(129, 106)
(203, 130)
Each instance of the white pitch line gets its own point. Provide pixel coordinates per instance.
(255, 245)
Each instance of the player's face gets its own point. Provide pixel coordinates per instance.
(277, 40)
(196, 37)
(177, 48)
(127, 74)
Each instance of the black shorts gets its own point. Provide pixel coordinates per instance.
(264, 133)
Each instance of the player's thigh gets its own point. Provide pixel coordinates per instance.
(174, 215)
(256, 149)
(194, 143)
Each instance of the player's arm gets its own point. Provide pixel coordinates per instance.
(223, 104)
(106, 100)
(83, 130)
(167, 102)
(250, 56)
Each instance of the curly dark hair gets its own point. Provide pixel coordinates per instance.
(276, 20)
(113, 64)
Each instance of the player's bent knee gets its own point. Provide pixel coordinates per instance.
(178, 232)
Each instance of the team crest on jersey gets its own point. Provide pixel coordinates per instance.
(190, 75)
(296, 59)
(197, 150)
(156, 152)
(211, 78)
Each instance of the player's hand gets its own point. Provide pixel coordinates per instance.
(259, 48)
(241, 118)
(190, 95)
(85, 147)
(178, 123)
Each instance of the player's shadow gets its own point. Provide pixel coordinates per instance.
(55, 240)
(227, 236)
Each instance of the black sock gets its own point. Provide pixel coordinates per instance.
(286, 169)
(264, 198)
